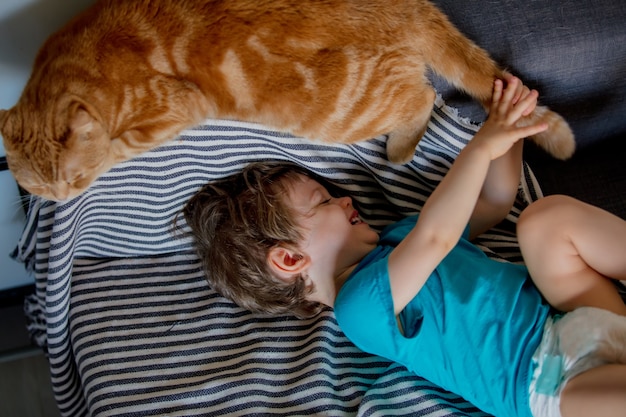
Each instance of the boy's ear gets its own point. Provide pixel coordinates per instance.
(286, 262)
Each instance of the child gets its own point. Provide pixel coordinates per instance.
(277, 239)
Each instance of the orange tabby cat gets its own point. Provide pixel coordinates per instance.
(125, 76)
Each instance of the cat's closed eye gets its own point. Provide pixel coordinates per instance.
(76, 178)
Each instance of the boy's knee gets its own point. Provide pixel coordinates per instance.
(542, 215)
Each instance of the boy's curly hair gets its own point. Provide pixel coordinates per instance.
(235, 221)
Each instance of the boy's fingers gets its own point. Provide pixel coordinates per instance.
(523, 108)
(523, 91)
(509, 93)
(508, 77)
(528, 103)
(497, 90)
(527, 131)
(532, 97)
(513, 101)
(519, 92)
(497, 95)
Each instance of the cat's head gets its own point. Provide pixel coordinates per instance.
(58, 152)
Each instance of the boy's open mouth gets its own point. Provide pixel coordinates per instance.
(355, 219)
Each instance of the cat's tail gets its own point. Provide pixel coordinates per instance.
(558, 140)
(470, 69)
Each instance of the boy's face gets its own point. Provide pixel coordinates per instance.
(332, 229)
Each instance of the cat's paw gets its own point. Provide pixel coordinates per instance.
(401, 147)
(559, 139)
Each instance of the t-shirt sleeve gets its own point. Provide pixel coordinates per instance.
(364, 309)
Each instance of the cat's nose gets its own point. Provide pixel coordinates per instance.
(61, 191)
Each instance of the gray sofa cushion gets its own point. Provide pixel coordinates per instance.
(574, 53)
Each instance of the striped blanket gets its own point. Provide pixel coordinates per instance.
(132, 328)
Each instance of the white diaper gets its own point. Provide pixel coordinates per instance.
(573, 343)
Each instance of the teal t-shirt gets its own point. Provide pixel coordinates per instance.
(472, 329)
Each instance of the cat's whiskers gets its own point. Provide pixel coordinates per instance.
(19, 204)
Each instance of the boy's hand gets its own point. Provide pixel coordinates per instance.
(508, 105)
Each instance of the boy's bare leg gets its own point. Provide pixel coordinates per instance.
(597, 392)
(572, 249)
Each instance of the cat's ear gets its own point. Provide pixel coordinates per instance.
(6, 128)
(81, 121)
(4, 115)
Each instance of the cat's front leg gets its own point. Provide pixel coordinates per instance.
(134, 142)
(127, 145)
(172, 104)
(403, 140)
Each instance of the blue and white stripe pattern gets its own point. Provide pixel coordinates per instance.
(132, 328)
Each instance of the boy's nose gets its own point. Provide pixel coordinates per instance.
(345, 201)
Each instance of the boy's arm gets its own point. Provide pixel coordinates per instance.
(501, 184)
(498, 192)
(448, 210)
